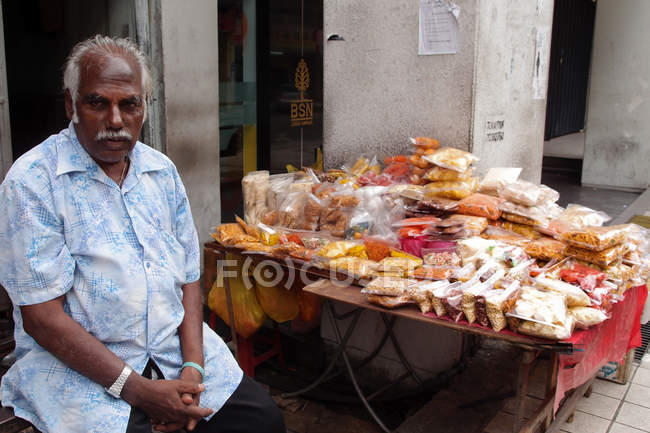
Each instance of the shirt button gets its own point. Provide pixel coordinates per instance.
(148, 264)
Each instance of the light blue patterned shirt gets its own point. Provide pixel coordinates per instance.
(120, 257)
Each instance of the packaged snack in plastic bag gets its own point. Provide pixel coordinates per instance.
(427, 272)
(437, 173)
(337, 249)
(587, 316)
(355, 266)
(601, 258)
(575, 296)
(537, 215)
(497, 177)
(440, 258)
(291, 210)
(595, 238)
(576, 217)
(468, 301)
(527, 193)
(451, 158)
(387, 286)
(421, 297)
(522, 220)
(499, 301)
(544, 330)
(454, 189)
(546, 249)
(279, 185)
(547, 307)
(255, 187)
(401, 265)
(509, 255)
(419, 162)
(231, 234)
(280, 304)
(481, 205)
(473, 224)
(390, 302)
(499, 233)
(424, 142)
(422, 222)
(377, 249)
(435, 204)
(587, 277)
(413, 192)
(427, 289)
(312, 209)
(524, 230)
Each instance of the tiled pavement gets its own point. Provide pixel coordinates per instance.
(614, 408)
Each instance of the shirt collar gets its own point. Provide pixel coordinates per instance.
(71, 156)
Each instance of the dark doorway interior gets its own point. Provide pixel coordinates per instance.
(573, 31)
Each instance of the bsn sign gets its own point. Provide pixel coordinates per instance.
(302, 110)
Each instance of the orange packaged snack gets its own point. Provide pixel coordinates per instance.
(425, 143)
(376, 250)
(481, 205)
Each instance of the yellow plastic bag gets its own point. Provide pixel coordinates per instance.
(277, 301)
(247, 312)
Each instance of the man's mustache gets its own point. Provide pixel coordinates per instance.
(119, 134)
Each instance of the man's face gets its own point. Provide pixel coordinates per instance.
(110, 106)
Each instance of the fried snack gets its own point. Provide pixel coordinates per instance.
(413, 192)
(442, 258)
(454, 189)
(337, 249)
(601, 258)
(425, 142)
(518, 219)
(419, 162)
(270, 218)
(434, 204)
(390, 301)
(421, 297)
(232, 234)
(481, 205)
(311, 214)
(248, 228)
(546, 249)
(433, 272)
(595, 238)
(547, 331)
(437, 173)
(344, 200)
(525, 230)
(587, 316)
(452, 158)
(387, 286)
(361, 268)
(376, 250)
(575, 296)
(527, 193)
(399, 264)
(474, 224)
(254, 246)
(498, 302)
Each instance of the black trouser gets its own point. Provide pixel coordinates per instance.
(249, 409)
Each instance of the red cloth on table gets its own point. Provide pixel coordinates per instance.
(609, 341)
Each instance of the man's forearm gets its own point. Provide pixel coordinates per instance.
(190, 331)
(64, 338)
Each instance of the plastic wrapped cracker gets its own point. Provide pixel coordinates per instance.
(601, 258)
(587, 316)
(453, 189)
(546, 249)
(451, 158)
(527, 193)
(595, 238)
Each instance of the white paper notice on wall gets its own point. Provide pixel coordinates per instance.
(439, 32)
(540, 71)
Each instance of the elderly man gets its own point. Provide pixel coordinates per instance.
(101, 260)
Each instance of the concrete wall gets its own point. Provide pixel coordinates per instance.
(378, 91)
(512, 56)
(617, 146)
(190, 65)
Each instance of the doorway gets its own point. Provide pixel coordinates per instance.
(270, 90)
(573, 31)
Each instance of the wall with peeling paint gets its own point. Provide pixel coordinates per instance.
(378, 91)
(617, 141)
(191, 68)
(512, 57)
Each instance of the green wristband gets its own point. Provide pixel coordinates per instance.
(195, 366)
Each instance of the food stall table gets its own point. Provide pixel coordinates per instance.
(572, 363)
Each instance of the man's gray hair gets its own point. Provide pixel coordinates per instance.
(109, 46)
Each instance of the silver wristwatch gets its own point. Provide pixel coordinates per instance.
(116, 388)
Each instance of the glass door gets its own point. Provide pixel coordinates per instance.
(291, 80)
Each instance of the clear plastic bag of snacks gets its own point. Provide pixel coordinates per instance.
(424, 142)
(255, 188)
(601, 258)
(546, 249)
(390, 302)
(527, 231)
(427, 272)
(388, 286)
(527, 193)
(587, 316)
(451, 158)
(473, 224)
(412, 192)
(498, 301)
(575, 296)
(481, 205)
(437, 173)
(576, 217)
(427, 289)
(541, 307)
(436, 204)
(454, 189)
(497, 177)
(548, 331)
(540, 215)
(437, 257)
(595, 238)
